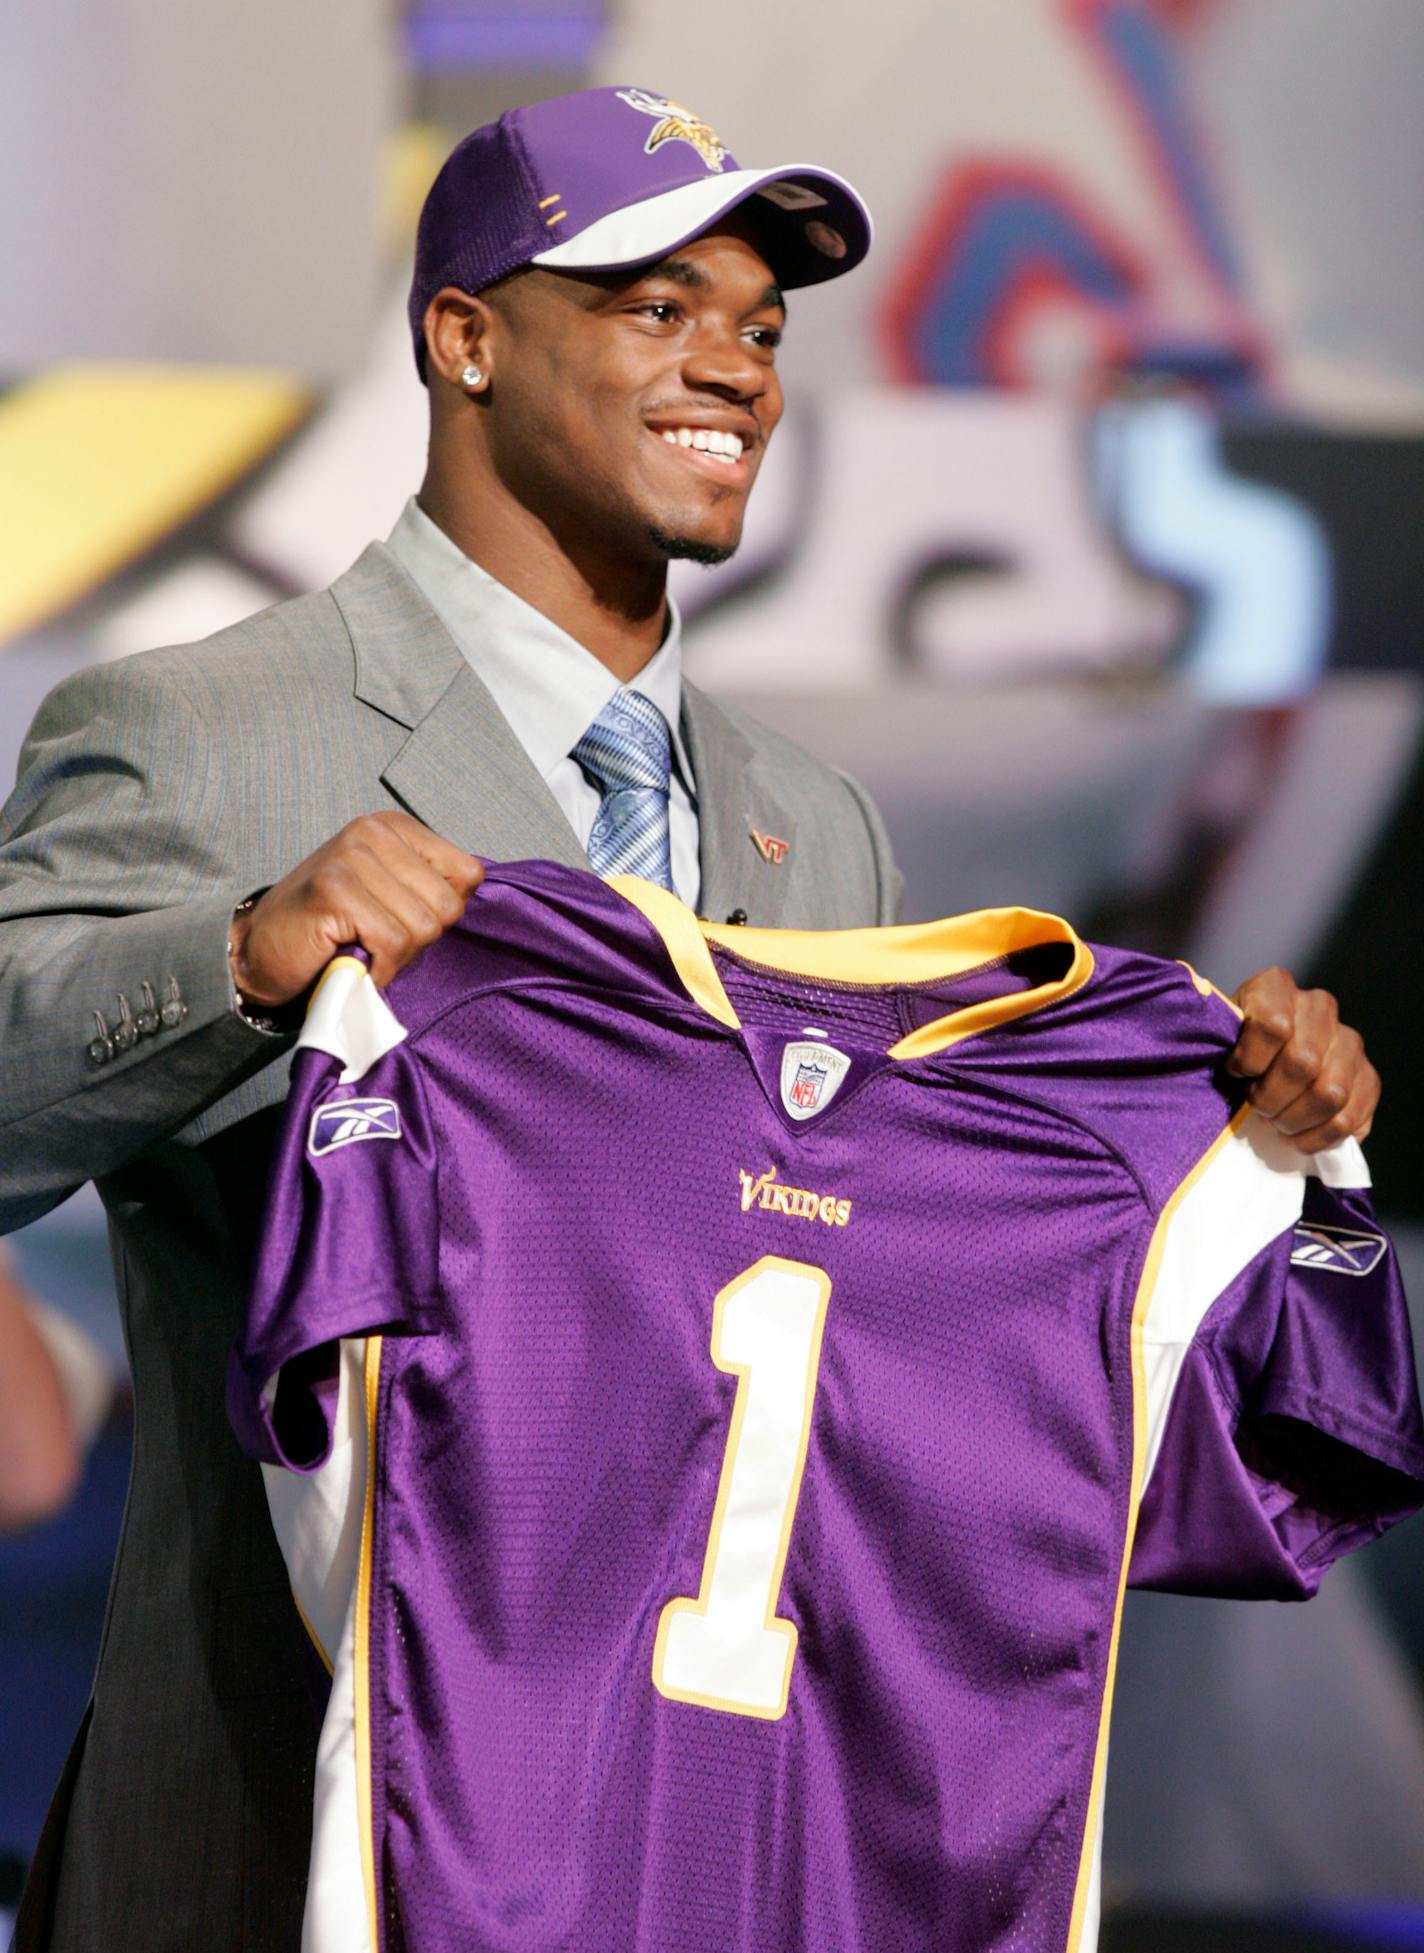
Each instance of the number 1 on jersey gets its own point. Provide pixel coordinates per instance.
(727, 1649)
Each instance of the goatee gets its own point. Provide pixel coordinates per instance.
(686, 549)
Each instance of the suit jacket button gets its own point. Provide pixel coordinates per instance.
(174, 1009)
(737, 915)
(100, 1047)
(148, 1019)
(125, 1031)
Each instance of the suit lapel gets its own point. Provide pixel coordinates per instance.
(465, 774)
(733, 799)
(461, 771)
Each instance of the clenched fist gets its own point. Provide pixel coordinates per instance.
(385, 881)
(1310, 1076)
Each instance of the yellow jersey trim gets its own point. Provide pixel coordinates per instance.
(362, 1650)
(917, 952)
(312, 1634)
(1140, 1307)
(336, 963)
(682, 935)
(1206, 988)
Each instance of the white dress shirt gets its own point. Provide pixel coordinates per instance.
(549, 688)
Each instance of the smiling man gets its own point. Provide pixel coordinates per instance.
(596, 309)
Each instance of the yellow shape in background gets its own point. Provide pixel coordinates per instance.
(99, 462)
(412, 162)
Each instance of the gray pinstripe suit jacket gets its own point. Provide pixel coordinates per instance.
(153, 794)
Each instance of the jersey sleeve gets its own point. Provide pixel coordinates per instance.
(1283, 1415)
(349, 1243)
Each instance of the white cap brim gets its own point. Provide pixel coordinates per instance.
(832, 226)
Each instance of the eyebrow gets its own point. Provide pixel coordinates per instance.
(682, 271)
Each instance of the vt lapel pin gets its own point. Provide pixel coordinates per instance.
(770, 848)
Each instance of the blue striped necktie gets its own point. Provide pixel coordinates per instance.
(627, 754)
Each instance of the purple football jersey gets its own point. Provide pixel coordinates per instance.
(716, 1384)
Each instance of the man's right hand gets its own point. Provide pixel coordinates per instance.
(385, 881)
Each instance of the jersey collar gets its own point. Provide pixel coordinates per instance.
(910, 953)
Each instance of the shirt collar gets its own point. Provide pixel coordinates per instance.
(547, 685)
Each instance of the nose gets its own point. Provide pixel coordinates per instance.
(722, 362)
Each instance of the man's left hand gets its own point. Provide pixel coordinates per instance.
(1311, 1077)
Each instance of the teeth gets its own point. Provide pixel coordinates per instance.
(707, 440)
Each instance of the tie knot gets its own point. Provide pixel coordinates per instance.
(628, 745)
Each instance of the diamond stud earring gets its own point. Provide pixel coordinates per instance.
(471, 376)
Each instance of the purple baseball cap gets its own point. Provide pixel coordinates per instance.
(610, 177)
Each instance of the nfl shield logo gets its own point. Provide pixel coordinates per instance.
(807, 1086)
(811, 1075)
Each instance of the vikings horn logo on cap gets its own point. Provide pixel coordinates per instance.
(675, 124)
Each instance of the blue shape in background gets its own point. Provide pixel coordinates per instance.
(54, 1582)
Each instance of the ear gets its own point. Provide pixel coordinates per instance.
(457, 335)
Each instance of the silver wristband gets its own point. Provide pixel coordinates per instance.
(260, 1020)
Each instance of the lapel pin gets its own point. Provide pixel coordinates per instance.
(770, 848)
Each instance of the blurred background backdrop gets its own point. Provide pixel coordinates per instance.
(1089, 543)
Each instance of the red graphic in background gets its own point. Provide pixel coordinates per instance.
(1014, 248)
